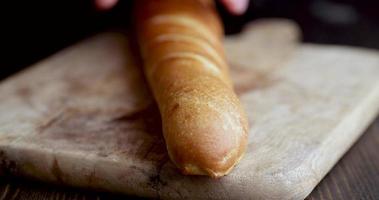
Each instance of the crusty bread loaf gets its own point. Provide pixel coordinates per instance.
(204, 125)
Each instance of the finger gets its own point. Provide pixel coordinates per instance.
(105, 4)
(236, 7)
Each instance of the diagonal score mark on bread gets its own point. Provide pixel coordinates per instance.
(187, 21)
(206, 63)
(186, 38)
(206, 41)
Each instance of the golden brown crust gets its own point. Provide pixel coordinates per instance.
(204, 125)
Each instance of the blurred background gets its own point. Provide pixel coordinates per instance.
(33, 30)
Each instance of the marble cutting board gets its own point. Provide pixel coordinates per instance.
(85, 117)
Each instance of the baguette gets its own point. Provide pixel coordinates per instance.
(205, 127)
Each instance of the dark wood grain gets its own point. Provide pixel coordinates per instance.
(356, 176)
(18, 189)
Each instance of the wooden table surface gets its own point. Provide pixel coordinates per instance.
(356, 176)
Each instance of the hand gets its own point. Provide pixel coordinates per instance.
(236, 7)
